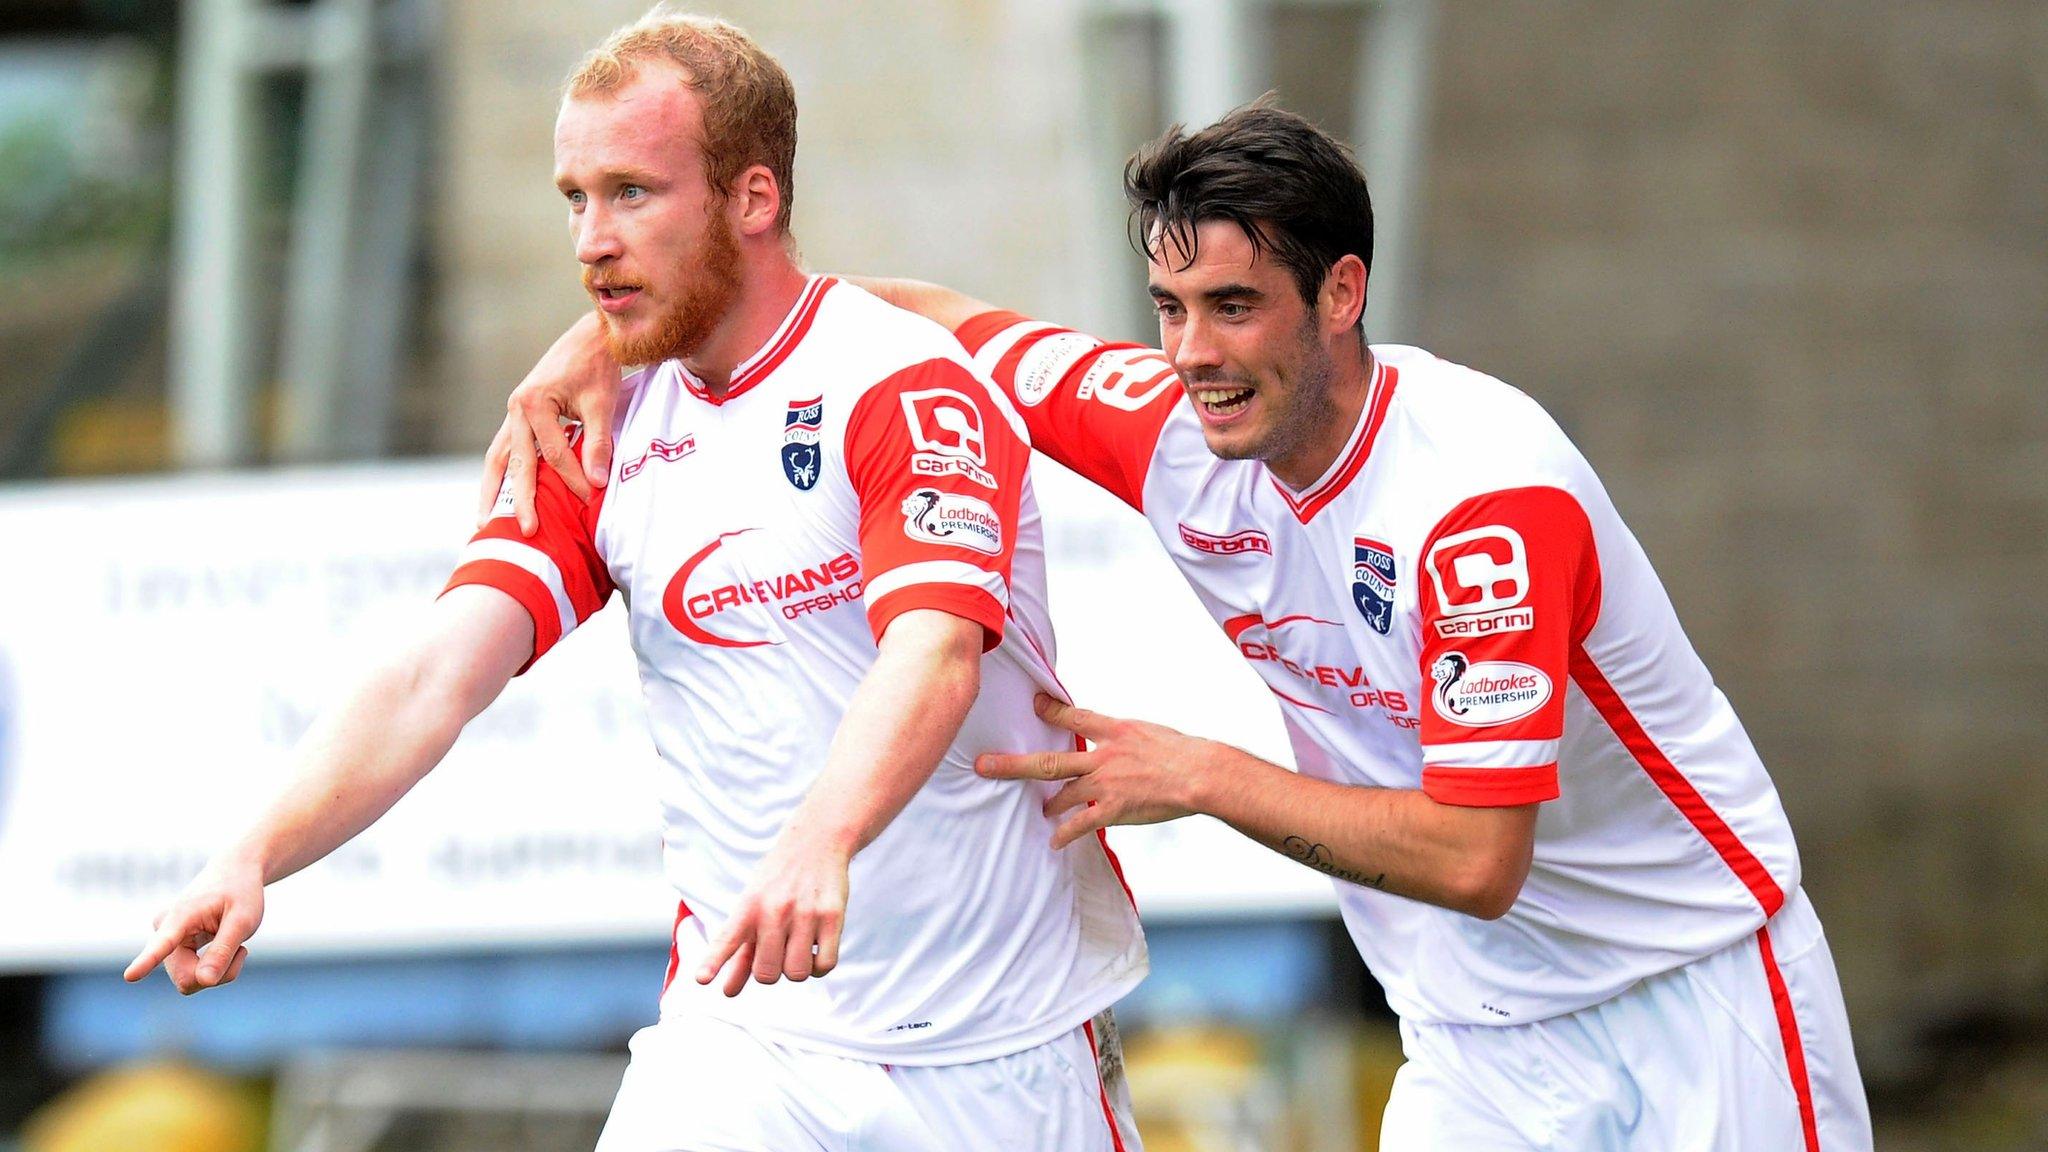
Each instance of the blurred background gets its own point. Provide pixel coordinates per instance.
(268, 269)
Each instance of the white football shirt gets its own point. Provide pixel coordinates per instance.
(1456, 607)
(856, 468)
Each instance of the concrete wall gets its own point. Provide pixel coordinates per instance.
(920, 125)
(1780, 268)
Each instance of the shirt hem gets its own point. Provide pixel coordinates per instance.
(1045, 1031)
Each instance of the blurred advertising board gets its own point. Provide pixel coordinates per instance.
(165, 642)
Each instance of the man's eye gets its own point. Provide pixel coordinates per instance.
(575, 199)
(1233, 311)
(1166, 308)
(633, 192)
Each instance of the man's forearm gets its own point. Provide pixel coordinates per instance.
(359, 758)
(1471, 860)
(902, 718)
(932, 301)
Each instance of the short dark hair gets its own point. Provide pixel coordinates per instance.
(1292, 187)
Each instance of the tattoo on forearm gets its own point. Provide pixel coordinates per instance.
(1318, 857)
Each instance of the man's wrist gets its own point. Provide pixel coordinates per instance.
(832, 840)
(1203, 782)
(250, 857)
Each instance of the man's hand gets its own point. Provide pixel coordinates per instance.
(1136, 773)
(576, 380)
(199, 937)
(797, 901)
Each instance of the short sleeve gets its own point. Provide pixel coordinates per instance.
(938, 471)
(557, 575)
(1095, 407)
(1509, 581)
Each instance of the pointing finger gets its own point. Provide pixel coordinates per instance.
(153, 953)
(1034, 765)
(723, 946)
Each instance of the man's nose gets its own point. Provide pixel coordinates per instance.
(1198, 348)
(596, 238)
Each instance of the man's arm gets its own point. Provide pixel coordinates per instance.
(932, 301)
(353, 765)
(903, 716)
(1468, 859)
(577, 379)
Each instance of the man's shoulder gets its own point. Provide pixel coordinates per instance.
(1467, 418)
(867, 330)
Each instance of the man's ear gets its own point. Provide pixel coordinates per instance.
(1342, 299)
(759, 200)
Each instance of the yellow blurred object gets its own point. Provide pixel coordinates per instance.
(1376, 1056)
(110, 436)
(1196, 1089)
(157, 1107)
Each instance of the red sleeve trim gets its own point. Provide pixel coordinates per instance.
(979, 330)
(522, 586)
(1491, 787)
(955, 599)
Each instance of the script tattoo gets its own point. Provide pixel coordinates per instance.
(1318, 857)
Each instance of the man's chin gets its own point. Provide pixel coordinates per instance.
(633, 346)
(1233, 443)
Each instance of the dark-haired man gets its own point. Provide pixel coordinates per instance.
(1552, 841)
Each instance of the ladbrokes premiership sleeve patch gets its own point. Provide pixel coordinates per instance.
(557, 576)
(1508, 582)
(939, 474)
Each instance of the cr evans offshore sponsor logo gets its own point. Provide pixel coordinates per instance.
(1235, 544)
(1259, 641)
(696, 597)
(1486, 693)
(950, 518)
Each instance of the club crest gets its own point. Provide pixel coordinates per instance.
(803, 427)
(1372, 582)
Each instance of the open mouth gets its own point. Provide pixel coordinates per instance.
(613, 297)
(1222, 402)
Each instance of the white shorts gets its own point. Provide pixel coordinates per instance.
(1746, 1050)
(701, 1085)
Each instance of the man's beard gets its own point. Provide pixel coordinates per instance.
(1293, 419)
(708, 292)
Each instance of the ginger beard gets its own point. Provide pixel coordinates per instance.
(706, 295)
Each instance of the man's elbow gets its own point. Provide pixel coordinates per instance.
(940, 652)
(1489, 888)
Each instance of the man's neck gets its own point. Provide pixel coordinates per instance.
(767, 293)
(1312, 459)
